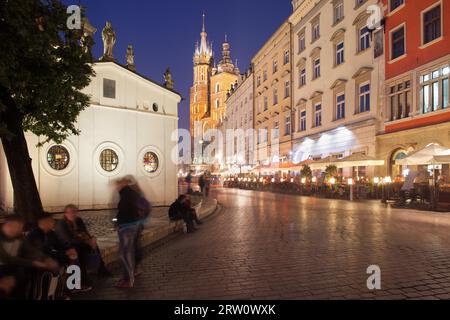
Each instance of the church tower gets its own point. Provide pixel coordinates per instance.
(200, 107)
(223, 77)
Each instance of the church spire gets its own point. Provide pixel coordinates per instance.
(203, 52)
(226, 63)
(203, 28)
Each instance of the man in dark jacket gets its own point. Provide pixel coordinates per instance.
(45, 240)
(181, 210)
(73, 233)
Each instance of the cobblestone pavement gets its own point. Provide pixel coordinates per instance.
(271, 246)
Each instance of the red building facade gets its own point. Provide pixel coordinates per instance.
(417, 105)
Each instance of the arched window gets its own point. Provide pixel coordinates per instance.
(396, 170)
(109, 160)
(217, 87)
(217, 103)
(58, 158)
(151, 162)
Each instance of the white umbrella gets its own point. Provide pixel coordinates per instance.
(323, 163)
(432, 154)
(358, 160)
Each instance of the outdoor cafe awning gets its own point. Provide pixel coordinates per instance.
(355, 160)
(322, 164)
(432, 154)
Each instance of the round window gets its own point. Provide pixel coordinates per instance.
(58, 158)
(155, 107)
(151, 162)
(109, 160)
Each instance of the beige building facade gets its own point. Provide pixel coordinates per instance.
(239, 123)
(273, 98)
(338, 72)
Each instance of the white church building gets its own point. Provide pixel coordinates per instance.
(126, 130)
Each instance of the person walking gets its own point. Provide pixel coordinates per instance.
(207, 185)
(144, 211)
(189, 182)
(202, 183)
(128, 230)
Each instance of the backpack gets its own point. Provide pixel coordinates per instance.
(144, 208)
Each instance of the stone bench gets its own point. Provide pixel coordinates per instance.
(157, 230)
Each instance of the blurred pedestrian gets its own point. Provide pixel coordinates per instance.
(202, 183)
(128, 229)
(189, 182)
(207, 185)
(144, 212)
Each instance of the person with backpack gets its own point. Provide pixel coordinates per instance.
(144, 212)
(129, 225)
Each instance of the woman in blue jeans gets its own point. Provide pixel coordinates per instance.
(129, 222)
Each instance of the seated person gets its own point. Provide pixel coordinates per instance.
(46, 241)
(73, 232)
(181, 210)
(17, 256)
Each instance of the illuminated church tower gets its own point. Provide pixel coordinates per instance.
(211, 84)
(200, 91)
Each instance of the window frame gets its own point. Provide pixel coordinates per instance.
(422, 22)
(339, 53)
(340, 114)
(391, 42)
(360, 95)
(366, 37)
(318, 120)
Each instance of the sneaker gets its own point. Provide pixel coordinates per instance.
(138, 272)
(124, 284)
(83, 289)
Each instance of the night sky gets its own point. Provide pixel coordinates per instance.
(164, 33)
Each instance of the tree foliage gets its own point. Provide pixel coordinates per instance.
(331, 171)
(306, 172)
(42, 68)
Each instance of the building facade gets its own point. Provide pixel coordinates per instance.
(209, 91)
(417, 59)
(239, 122)
(273, 98)
(126, 130)
(338, 71)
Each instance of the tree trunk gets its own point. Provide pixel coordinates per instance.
(27, 201)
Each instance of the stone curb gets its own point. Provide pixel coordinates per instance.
(109, 247)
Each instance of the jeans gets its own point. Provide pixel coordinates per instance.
(138, 245)
(127, 239)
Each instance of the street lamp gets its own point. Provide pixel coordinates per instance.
(351, 183)
(201, 142)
